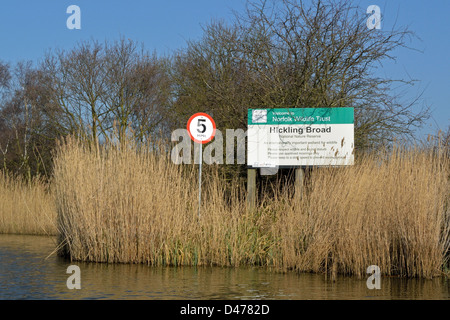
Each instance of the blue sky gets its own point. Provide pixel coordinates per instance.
(28, 28)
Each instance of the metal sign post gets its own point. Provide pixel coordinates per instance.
(200, 180)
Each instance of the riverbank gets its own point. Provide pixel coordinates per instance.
(125, 205)
(129, 206)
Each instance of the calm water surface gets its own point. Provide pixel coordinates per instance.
(29, 271)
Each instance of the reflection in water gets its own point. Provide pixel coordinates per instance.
(25, 273)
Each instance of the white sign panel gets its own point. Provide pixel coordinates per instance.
(300, 137)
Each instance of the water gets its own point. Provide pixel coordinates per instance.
(28, 272)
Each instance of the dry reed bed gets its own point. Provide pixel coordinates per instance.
(26, 207)
(392, 213)
(121, 204)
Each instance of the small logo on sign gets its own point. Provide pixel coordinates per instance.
(259, 116)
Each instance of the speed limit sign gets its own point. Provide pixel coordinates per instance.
(201, 128)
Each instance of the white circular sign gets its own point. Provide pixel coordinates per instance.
(201, 127)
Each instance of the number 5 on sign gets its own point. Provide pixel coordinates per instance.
(201, 128)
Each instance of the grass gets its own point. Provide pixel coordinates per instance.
(123, 204)
(26, 207)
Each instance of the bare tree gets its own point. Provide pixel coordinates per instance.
(136, 89)
(288, 54)
(107, 89)
(4, 83)
(5, 75)
(77, 83)
(20, 119)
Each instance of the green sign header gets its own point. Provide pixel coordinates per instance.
(299, 116)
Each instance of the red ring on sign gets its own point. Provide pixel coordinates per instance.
(212, 121)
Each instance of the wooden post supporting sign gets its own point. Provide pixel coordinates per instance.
(251, 188)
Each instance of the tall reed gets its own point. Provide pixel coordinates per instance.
(122, 204)
(390, 210)
(26, 207)
(131, 205)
